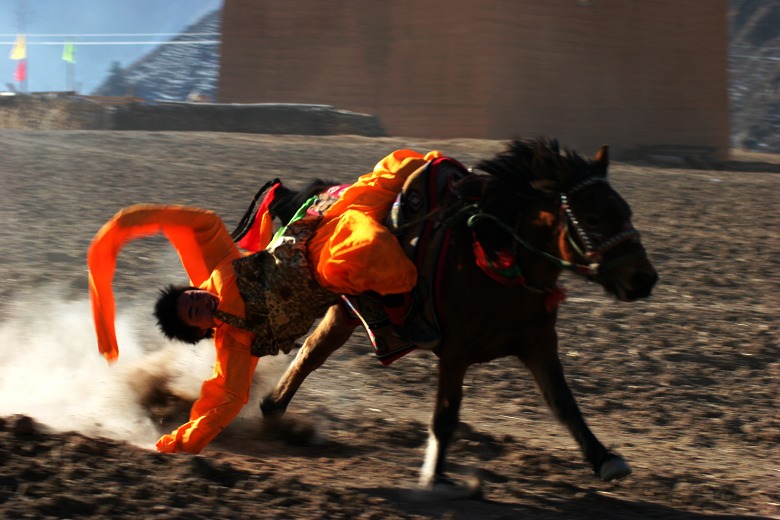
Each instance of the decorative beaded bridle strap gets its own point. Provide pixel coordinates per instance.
(594, 247)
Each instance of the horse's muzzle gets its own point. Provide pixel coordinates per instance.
(641, 285)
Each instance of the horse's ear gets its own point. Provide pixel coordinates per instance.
(601, 159)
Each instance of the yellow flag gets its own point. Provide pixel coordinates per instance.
(19, 52)
(69, 52)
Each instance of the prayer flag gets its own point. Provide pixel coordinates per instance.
(19, 52)
(21, 71)
(69, 52)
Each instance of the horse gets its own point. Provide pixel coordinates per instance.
(545, 208)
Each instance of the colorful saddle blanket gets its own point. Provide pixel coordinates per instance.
(419, 222)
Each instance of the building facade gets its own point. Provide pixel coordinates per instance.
(626, 73)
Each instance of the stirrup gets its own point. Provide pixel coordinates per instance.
(387, 358)
(386, 354)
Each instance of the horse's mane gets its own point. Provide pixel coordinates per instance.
(529, 167)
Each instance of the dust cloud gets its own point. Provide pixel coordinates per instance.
(51, 370)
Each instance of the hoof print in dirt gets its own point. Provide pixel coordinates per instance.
(293, 431)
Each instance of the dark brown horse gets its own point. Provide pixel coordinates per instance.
(546, 210)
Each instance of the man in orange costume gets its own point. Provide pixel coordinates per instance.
(350, 252)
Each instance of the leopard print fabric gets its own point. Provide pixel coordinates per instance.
(281, 297)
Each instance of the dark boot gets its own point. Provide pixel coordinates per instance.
(388, 345)
(417, 327)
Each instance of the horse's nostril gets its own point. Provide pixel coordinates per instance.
(643, 280)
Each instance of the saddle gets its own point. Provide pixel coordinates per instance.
(419, 224)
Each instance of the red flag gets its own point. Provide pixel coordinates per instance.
(21, 71)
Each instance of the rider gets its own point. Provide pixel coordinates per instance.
(350, 252)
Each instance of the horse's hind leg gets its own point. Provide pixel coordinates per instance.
(332, 332)
(546, 368)
(445, 421)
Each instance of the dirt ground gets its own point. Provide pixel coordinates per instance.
(685, 385)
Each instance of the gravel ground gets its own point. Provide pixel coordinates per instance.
(685, 385)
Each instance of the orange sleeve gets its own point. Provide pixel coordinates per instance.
(200, 239)
(221, 397)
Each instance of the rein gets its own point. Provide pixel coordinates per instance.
(591, 253)
(581, 269)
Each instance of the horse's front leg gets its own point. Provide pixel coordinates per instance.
(445, 421)
(547, 370)
(331, 333)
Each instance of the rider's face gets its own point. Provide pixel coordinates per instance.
(196, 308)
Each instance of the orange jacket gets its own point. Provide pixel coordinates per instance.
(207, 252)
(350, 251)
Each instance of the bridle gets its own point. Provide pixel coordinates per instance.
(594, 246)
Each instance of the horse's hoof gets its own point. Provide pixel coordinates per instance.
(614, 468)
(445, 488)
(270, 409)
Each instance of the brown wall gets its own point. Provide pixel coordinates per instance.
(629, 73)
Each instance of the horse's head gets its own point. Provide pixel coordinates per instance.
(590, 222)
(596, 233)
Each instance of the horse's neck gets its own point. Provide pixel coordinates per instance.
(537, 235)
(540, 273)
(541, 229)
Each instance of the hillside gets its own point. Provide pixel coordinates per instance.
(172, 72)
(754, 67)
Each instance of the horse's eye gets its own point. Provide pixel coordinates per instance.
(592, 221)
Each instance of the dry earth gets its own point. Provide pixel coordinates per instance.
(684, 385)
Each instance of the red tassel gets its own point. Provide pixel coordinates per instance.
(504, 270)
(555, 297)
